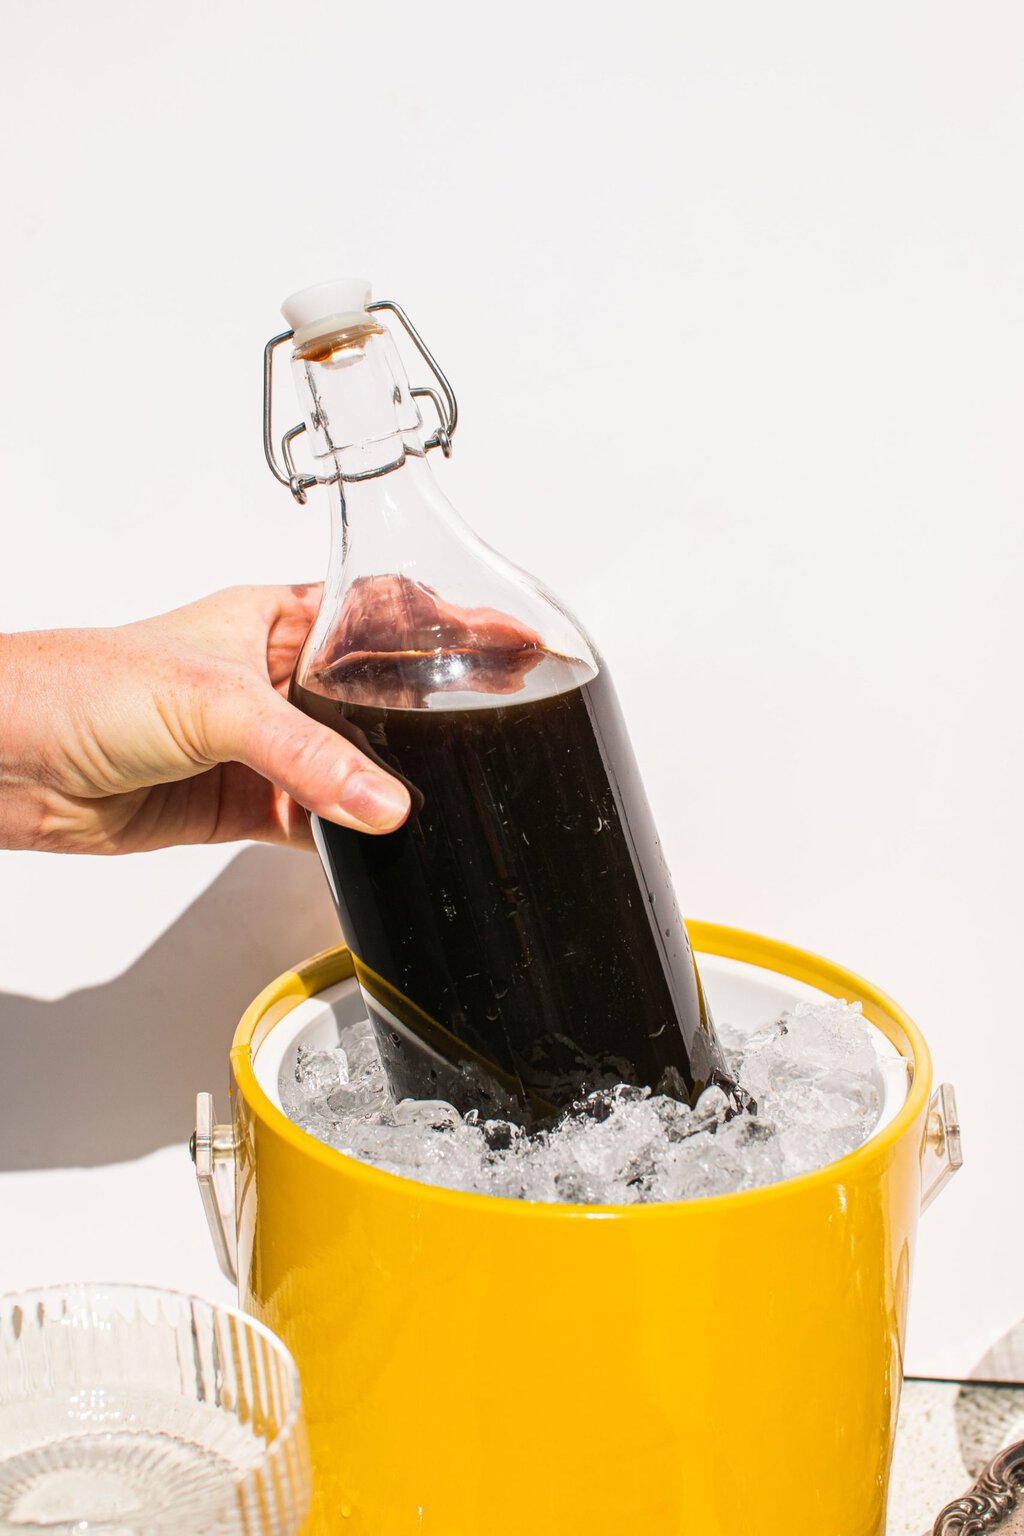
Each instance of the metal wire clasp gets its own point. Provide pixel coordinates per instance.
(443, 401)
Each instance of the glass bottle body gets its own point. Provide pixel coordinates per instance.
(517, 940)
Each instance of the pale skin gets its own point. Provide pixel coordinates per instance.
(176, 729)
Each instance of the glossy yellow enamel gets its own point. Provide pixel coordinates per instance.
(478, 1367)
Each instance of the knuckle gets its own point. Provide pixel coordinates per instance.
(220, 712)
(308, 757)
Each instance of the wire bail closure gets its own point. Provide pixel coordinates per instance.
(443, 400)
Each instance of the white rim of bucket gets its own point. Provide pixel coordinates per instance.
(733, 987)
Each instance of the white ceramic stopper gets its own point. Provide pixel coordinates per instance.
(326, 307)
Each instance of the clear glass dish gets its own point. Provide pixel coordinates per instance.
(132, 1411)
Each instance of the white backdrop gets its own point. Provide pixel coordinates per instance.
(731, 297)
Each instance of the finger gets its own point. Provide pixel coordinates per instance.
(313, 764)
(294, 610)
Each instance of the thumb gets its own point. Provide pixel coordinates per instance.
(312, 763)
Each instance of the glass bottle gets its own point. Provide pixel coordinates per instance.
(517, 940)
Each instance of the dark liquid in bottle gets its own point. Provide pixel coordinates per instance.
(517, 940)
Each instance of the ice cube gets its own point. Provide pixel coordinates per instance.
(813, 1075)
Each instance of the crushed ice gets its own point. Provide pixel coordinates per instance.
(813, 1073)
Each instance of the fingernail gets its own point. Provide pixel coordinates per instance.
(378, 800)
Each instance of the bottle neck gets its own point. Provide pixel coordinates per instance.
(409, 583)
(361, 418)
(383, 516)
(389, 515)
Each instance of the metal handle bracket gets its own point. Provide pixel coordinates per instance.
(213, 1152)
(942, 1154)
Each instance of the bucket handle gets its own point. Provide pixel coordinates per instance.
(213, 1152)
(941, 1154)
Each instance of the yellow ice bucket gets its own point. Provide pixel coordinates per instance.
(474, 1366)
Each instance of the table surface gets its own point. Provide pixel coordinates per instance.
(948, 1431)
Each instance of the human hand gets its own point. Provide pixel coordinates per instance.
(176, 730)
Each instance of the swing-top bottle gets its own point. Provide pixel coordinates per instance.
(517, 940)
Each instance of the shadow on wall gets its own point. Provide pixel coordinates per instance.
(111, 1072)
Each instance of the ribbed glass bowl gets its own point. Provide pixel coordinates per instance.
(131, 1411)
